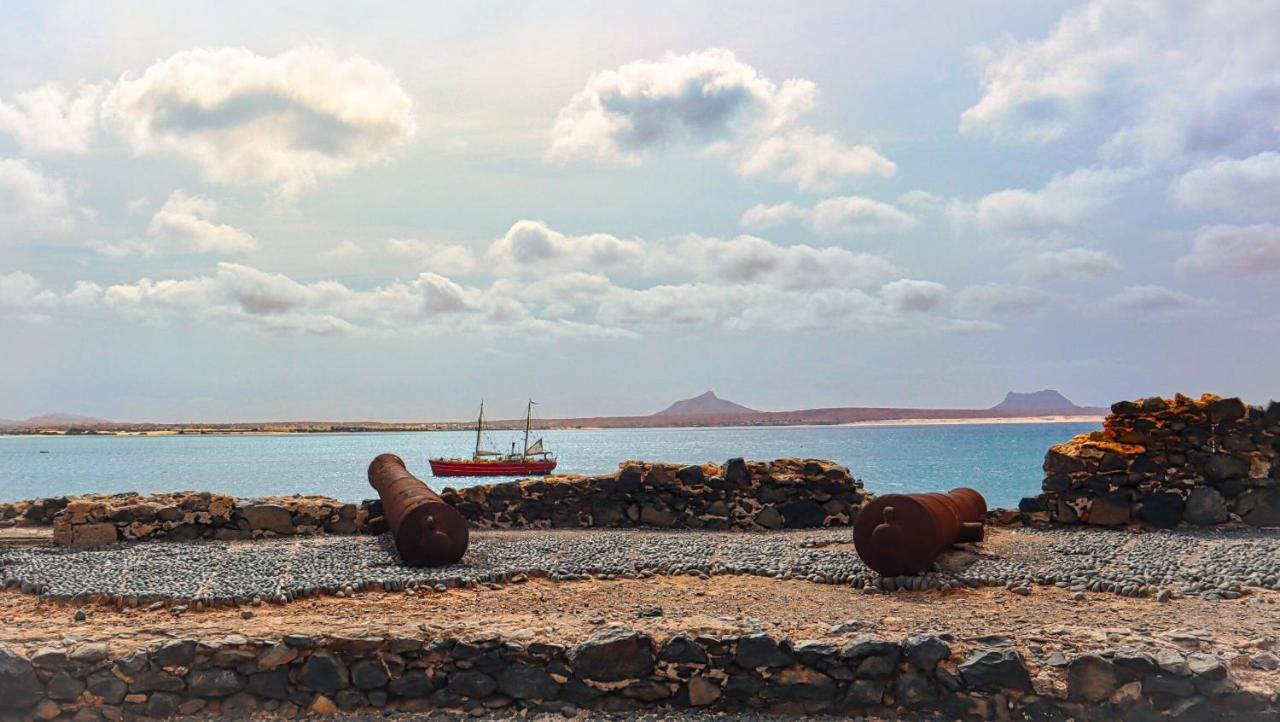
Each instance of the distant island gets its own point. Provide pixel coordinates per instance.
(706, 409)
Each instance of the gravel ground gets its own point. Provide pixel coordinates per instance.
(1216, 564)
(662, 715)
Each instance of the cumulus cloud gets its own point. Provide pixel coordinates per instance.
(1250, 186)
(1063, 202)
(997, 298)
(188, 221)
(747, 259)
(121, 249)
(528, 245)
(52, 119)
(812, 161)
(711, 101)
(23, 297)
(1234, 250)
(444, 258)
(912, 296)
(840, 216)
(1158, 302)
(29, 199)
(1071, 264)
(1166, 80)
(285, 122)
(342, 252)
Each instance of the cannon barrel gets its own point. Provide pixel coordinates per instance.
(900, 534)
(427, 530)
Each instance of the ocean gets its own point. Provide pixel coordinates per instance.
(1003, 461)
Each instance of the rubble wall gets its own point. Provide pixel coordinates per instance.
(1165, 462)
(624, 670)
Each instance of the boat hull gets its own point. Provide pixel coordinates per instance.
(463, 467)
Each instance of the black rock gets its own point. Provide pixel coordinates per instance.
(1228, 409)
(1272, 417)
(760, 650)
(270, 685)
(924, 651)
(736, 472)
(1195, 709)
(1032, 504)
(1205, 506)
(802, 514)
(799, 683)
(1260, 507)
(995, 669)
(445, 698)
(349, 700)
(323, 673)
(682, 649)
(369, 674)
(1125, 408)
(413, 683)
(473, 684)
(813, 653)
(741, 686)
(1109, 510)
(162, 705)
(1165, 684)
(1162, 509)
(915, 690)
(212, 683)
(521, 681)
(178, 653)
(690, 475)
(109, 687)
(65, 688)
(1222, 467)
(155, 680)
(579, 693)
(613, 655)
(1090, 678)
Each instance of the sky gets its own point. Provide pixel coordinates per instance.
(271, 211)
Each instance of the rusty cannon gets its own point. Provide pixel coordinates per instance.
(899, 534)
(427, 530)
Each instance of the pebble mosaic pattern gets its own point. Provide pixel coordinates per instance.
(1219, 563)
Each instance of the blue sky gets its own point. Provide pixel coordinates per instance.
(231, 212)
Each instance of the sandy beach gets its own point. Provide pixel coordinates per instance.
(970, 422)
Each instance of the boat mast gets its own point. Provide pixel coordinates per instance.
(527, 414)
(479, 424)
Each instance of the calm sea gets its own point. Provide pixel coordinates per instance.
(1000, 460)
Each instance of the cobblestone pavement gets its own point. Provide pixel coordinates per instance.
(1220, 563)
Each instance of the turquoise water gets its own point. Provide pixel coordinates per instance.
(1000, 460)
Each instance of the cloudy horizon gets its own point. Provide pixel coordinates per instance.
(268, 214)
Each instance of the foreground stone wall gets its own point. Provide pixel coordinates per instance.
(786, 493)
(620, 670)
(1166, 461)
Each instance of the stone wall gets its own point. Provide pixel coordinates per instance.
(621, 670)
(786, 493)
(101, 520)
(1163, 462)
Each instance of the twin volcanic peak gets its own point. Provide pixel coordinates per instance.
(703, 405)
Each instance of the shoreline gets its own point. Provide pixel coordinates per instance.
(977, 422)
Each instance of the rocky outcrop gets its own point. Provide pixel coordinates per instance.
(781, 494)
(625, 670)
(1164, 462)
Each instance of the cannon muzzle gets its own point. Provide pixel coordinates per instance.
(900, 534)
(427, 530)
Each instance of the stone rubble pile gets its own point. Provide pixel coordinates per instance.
(620, 670)
(1163, 462)
(781, 494)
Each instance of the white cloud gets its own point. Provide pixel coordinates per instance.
(853, 215)
(285, 122)
(1071, 264)
(909, 295)
(996, 298)
(120, 249)
(344, 251)
(811, 160)
(1158, 302)
(747, 259)
(188, 220)
(1234, 251)
(1065, 201)
(22, 296)
(444, 258)
(761, 216)
(708, 100)
(31, 200)
(1166, 80)
(1250, 187)
(51, 119)
(528, 245)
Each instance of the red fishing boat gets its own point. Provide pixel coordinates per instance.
(533, 461)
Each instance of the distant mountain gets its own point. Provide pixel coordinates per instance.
(1045, 401)
(58, 419)
(704, 405)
